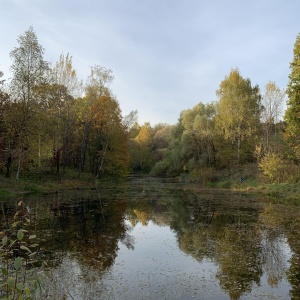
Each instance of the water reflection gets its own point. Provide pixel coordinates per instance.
(154, 240)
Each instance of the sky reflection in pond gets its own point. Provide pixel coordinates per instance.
(157, 269)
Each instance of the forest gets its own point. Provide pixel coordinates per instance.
(51, 122)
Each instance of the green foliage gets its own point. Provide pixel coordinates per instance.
(18, 252)
(5, 194)
(292, 114)
(238, 113)
(167, 167)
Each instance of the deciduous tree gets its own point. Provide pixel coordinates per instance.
(29, 69)
(272, 108)
(238, 110)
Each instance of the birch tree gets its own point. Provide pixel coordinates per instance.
(238, 110)
(272, 108)
(29, 69)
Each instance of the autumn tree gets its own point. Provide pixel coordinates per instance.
(64, 74)
(97, 85)
(66, 87)
(271, 149)
(103, 136)
(141, 149)
(108, 138)
(292, 114)
(272, 108)
(238, 115)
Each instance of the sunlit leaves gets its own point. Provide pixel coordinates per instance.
(238, 116)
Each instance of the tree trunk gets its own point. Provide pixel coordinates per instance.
(8, 164)
(19, 166)
(102, 160)
(239, 149)
(84, 143)
(57, 159)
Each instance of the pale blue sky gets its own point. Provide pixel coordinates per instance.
(166, 55)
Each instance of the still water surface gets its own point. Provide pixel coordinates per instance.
(150, 239)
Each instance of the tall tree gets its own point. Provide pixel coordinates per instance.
(69, 87)
(292, 114)
(29, 70)
(239, 110)
(97, 86)
(29, 67)
(108, 138)
(272, 106)
(64, 74)
(54, 123)
(271, 147)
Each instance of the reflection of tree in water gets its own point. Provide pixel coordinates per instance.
(224, 231)
(237, 254)
(83, 226)
(142, 212)
(272, 255)
(81, 238)
(288, 218)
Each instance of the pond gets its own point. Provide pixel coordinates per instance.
(153, 239)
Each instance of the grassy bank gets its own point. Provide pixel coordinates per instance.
(254, 182)
(10, 187)
(288, 193)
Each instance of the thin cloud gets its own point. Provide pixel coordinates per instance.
(166, 55)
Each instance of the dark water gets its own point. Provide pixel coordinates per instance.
(149, 239)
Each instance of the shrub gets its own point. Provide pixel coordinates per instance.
(277, 169)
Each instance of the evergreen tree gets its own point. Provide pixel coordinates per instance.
(292, 114)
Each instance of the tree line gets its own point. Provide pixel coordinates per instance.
(50, 121)
(244, 126)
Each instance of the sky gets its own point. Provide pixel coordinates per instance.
(166, 55)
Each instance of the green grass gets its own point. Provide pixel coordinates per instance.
(5, 195)
(32, 184)
(288, 193)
